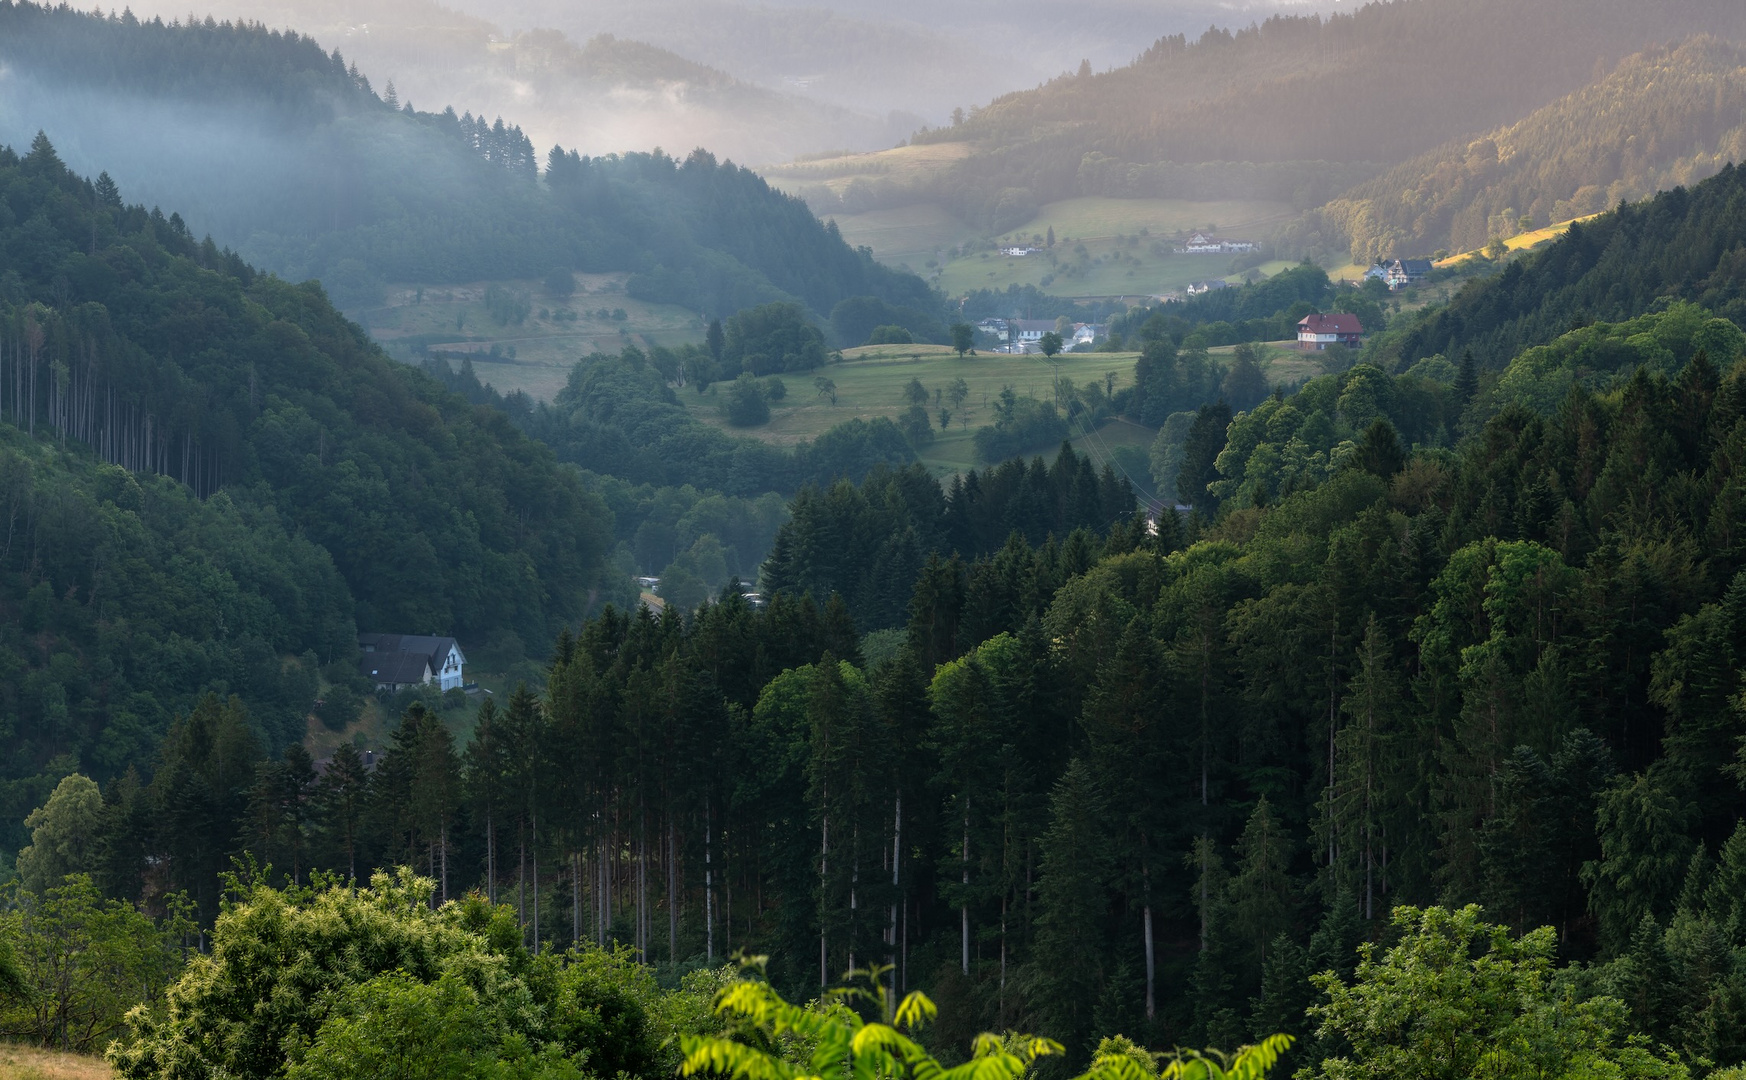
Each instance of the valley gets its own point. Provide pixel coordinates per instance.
(523, 560)
(1105, 247)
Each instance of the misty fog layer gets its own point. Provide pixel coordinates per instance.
(168, 155)
(758, 83)
(595, 93)
(909, 56)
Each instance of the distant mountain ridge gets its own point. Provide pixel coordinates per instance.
(1663, 118)
(598, 93)
(291, 155)
(1291, 108)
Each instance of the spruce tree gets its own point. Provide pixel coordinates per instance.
(108, 195)
(1466, 386)
(1070, 955)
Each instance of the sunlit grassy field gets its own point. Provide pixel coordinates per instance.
(1524, 241)
(1117, 260)
(1100, 218)
(1115, 247)
(29, 1063)
(453, 321)
(901, 164)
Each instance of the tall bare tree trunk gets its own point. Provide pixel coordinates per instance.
(672, 894)
(536, 881)
(896, 890)
(1151, 966)
(708, 886)
(824, 860)
(964, 907)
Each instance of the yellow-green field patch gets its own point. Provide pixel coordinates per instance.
(1096, 218)
(1526, 240)
(1101, 269)
(903, 164)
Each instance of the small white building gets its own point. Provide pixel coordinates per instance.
(1087, 333)
(995, 328)
(1017, 252)
(1202, 244)
(396, 661)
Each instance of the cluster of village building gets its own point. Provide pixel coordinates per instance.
(1026, 335)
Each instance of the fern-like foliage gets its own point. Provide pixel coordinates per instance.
(845, 1047)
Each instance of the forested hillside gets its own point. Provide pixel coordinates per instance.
(385, 501)
(1664, 118)
(1460, 623)
(1251, 114)
(1153, 790)
(290, 155)
(1686, 244)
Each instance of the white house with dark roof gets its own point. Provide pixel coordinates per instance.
(396, 661)
(1407, 272)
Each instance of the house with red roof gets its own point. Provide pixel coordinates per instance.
(1317, 332)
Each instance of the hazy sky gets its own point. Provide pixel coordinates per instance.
(922, 56)
(855, 75)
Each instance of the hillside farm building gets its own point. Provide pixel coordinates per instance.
(397, 661)
(1405, 272)
(1316, 332)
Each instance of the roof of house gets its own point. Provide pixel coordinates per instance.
(1330, 324)
(396, 668)
(1037, 326)
(1414, 266)
(433, 649)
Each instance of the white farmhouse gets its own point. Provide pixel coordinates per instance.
(396, 661)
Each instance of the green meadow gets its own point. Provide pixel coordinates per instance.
(535, 353)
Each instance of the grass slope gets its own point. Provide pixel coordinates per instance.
(1118, 259)
(870, 384)
(30, 1063)
(1524, 241)
(453, 321)
(871, 380)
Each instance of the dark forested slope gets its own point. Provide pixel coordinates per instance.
(288, 154)
(1685, 244)
(168, 356)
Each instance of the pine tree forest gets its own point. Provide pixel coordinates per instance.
(1406, 737)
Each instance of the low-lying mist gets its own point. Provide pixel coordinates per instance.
(593, 92)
